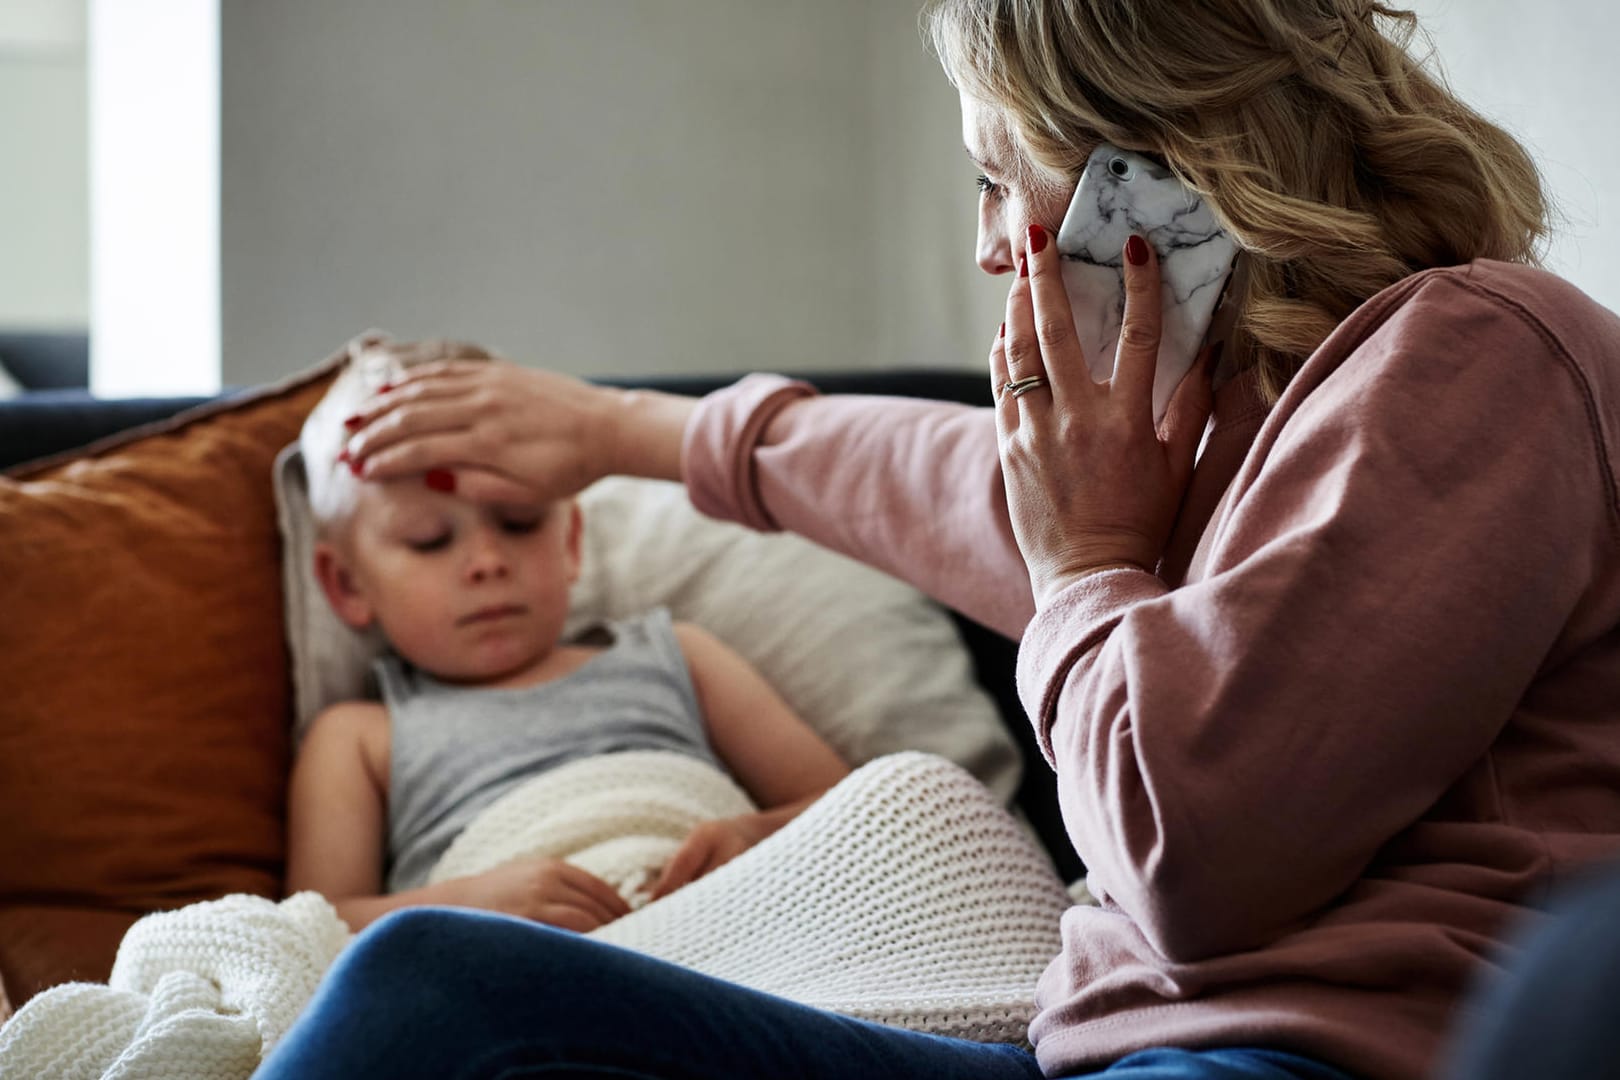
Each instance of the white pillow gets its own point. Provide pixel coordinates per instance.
(870, 662)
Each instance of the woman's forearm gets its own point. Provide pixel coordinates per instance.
(646, 431)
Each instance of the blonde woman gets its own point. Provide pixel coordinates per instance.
(1326, 664)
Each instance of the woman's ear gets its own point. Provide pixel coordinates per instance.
(337, 582)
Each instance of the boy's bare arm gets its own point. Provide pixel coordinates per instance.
(337, 831)
(337, 811)
(337, 816)
(777, 758)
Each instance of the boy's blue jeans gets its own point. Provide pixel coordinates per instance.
(457, 995)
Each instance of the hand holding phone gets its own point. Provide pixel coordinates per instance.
(1121, 193)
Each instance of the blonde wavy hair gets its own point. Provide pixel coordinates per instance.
(1338, 160)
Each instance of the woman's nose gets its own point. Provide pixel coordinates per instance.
(994, 250)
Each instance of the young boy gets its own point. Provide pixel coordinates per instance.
(480, 693)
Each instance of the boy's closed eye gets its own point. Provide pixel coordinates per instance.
(514, 524)
(520, 524)
(427, 546)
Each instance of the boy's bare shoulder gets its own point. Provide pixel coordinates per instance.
(360, 724)
(348, 717)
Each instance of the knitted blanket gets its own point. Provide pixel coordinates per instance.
(618, 816)
(195, 994)
(907, 895)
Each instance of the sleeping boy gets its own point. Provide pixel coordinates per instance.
(480, 693)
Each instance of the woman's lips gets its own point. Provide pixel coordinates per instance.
(490, 614)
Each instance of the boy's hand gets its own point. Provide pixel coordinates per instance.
(545, 890)
(711, 844)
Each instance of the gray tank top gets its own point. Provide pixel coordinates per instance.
(456, 749)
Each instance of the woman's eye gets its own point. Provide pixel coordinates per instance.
(427, 547)
(988, 186)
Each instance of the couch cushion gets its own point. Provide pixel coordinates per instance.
(144, 735)
(47, 944)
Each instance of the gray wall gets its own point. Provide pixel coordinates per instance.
(615, 187)
(640, 185)
(44, 166)
(1548, 74)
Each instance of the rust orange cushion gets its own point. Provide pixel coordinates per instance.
(144, 694)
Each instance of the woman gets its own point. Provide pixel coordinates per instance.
(1326, 710)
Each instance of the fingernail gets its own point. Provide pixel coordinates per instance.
(1136, 250)
(440, 480)
(343, 456)
(387, 386)
(1002, 332)
(1023, 266)
(353, 423)
(354, 466)
(1037, 239)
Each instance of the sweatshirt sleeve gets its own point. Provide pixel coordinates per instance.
(910, 486)
(1404, 545)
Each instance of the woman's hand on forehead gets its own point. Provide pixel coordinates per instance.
(410, 497)
(478, 486)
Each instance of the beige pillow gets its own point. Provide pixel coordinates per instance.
(870, 662)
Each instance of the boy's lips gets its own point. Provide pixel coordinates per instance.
(489, 614)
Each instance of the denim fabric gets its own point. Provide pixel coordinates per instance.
(457, 994)
(1551, 1013)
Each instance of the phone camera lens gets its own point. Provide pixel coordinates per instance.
(1120, 168)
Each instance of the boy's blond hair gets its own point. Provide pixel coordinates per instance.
(370, 366)
(374, 361)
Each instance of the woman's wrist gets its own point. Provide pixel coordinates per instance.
(1047, 589)
(645, 431)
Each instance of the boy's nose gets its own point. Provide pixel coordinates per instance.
(485, 562)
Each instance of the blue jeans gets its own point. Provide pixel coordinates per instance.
(1551, 1013)
(455, 995)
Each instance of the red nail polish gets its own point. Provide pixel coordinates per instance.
(1002, 332)
(1037, 239)
(343, 456)
(385, 387)
(440, 480)
(354, 466)
(353, 423)
(1023, 266)
(1136, 250)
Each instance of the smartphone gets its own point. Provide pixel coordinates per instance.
(1121, 193)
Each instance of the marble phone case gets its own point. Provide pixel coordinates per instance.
(1121, 193)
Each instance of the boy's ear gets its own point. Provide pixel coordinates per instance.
(338, 585)
(575, 541)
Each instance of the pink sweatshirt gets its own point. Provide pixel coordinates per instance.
(1367, 713)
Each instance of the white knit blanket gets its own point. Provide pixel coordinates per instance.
(618, 816)
(906, 895)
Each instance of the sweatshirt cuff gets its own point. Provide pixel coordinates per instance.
(1077, 620)
(717, 451)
